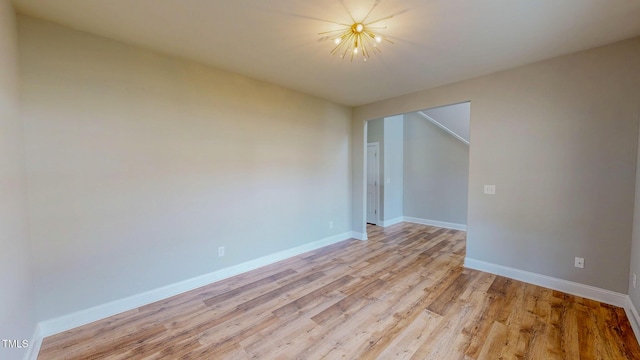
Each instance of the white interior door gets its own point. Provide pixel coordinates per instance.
(373, 176)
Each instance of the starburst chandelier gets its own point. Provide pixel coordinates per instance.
(357, 39)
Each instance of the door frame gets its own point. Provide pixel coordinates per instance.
(362, 144)
(376, 144)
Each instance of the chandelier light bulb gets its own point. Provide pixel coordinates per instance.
(337, 41)
(359, 28)
(378, 39)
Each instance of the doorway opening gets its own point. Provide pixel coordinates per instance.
(421, 171)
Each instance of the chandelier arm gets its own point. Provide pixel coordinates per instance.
(369, 33)
(335, 31)
(377, 27)
(370, 11)
(347, 9)
(377, 21)
(336, 48)
(341, 44)
(347, 44)
(346, 49)
(365, 51)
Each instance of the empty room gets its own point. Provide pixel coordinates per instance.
(328, 179)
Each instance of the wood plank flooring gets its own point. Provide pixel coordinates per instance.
(401, 295)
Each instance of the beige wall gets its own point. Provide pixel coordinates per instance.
(558, 138)
(634, 291)
(17, 315)
(141, 165)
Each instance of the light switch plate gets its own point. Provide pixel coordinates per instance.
(489, 189)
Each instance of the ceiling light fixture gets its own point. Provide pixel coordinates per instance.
(359, 38)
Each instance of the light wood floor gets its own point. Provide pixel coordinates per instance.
(401, 295)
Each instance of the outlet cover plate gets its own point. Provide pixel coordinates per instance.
(489, 189)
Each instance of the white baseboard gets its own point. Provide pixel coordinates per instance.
(566, 286)
(634, 318)
(397, 220)
(82, 317)
(442, 224)
(359, 236)
(34, 346)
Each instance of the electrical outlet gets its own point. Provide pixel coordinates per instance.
(634, 280)
(489, 189)
(330, 224)
(579, 263)
(221, 251)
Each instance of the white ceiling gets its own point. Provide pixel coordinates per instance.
(436, 41)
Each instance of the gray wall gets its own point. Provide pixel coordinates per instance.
(140, 165)
(453, 117)
(376, 134)
(17, 315)
(436, 168)
(393, 178)
(558, 138)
